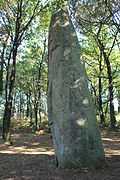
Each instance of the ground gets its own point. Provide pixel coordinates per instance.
(31, 157)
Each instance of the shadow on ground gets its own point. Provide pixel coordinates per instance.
(31, 157)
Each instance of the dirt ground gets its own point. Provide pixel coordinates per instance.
(31, 157)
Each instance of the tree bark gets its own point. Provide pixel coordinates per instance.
(1, 71)
(8, 104)
(95, 99)
(39, 83)
(112, 112)
(36, 113)
(13, 107)
(31, 114)
(6, 122)
(28, 105)
(2, 62)
(21, 105)
(102, 119)
(6, 112)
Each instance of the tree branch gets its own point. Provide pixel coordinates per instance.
(113, 43)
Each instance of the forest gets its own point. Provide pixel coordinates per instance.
(24, 125)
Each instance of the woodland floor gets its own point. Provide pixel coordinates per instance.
(31, 157)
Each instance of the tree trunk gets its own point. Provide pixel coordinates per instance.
(112, 112)
(40, 113)
(31, 114)
(7, 112)
(94, 94)
(28, 105)
(8, 104)
(1, 71)
(2, 62)
(106, 109)
(36, 118)
(40, 118)
(36, 112)
(13, 106)
(30, 110)
(39, 83)
(6, 122)
(21, 105)
(102, 119)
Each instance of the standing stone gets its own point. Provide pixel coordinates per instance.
(76, 135)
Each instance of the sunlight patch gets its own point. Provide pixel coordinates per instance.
(51, 153)
(110, 153)
(111, 140)
(81, 122)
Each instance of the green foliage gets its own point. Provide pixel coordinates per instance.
(18, 124)
(99, 20)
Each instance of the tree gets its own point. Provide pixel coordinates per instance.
(31, 70)
(4, 43)
(19, 16)
(93, 17)
(94, 66)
